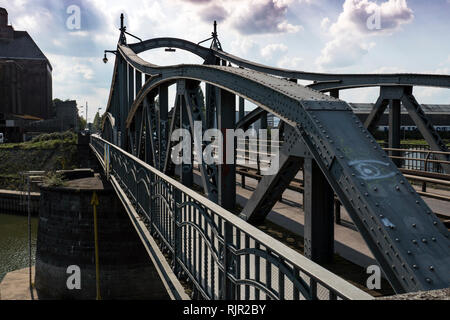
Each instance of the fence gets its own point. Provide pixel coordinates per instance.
(221, 255)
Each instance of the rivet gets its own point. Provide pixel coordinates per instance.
(424, 240)
(415, 266)
(414, 225)
(433, 239)
(414, 241)
(431, 268)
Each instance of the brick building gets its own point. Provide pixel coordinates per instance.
(25, 80)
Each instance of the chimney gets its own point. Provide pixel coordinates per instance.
(3, 18)
(6, 32)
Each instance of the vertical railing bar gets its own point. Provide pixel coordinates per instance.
(196, 236)
(257, 269)
(332, 295)
(295, 291)
(212, 262)
(247, 267)
(201, 258)
(269, 272)
(238, 264)
(185, 234)
(221, 251)
(313, 288)
(280, 285)
(177, 236)
(189, 209)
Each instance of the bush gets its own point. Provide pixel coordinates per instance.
(54, 179)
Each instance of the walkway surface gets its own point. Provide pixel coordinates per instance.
(15, 286)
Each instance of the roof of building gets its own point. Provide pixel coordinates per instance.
(22, 46)
(17, 44)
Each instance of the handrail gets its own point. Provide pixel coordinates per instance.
(417, 151)
(284, 256)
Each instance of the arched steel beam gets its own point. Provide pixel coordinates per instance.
(200, 51)
(108, 124)
(110, 118)
(376, 80)
(324, 81)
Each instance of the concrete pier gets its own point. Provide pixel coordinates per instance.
(66, 238)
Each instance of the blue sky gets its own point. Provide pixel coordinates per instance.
(310, 35)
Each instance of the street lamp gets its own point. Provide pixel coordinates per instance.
(105, 58)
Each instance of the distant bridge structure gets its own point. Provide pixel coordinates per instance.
(220, 252)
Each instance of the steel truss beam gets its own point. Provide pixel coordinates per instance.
(195, 106)
(271, 187)
(395, 96)
(226, 119)
(187, 173)
(376, 113)
(169, 167)
(425, 127)
(318, 205)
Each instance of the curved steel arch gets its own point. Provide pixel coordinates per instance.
(324, 81)
(171, 43)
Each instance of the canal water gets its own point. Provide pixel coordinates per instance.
(14, 242)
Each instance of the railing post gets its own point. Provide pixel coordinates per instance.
(228, 287)
(337, 211)
(177, 239)
(153, 201)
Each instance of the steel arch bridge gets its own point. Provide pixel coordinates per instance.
(321, 133)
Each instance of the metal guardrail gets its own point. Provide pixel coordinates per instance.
(221, 255)
(416, 157)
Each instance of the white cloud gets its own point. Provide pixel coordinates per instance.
(288, 62)
(359, 21)
(268, 51)
(325, 24)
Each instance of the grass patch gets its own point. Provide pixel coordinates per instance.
(46, 152)
(44, 141)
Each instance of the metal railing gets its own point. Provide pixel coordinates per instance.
(222, 256)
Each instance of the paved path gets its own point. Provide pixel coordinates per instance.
(15, 286)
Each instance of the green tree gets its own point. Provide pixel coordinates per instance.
(97, 122)
(82, 123)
